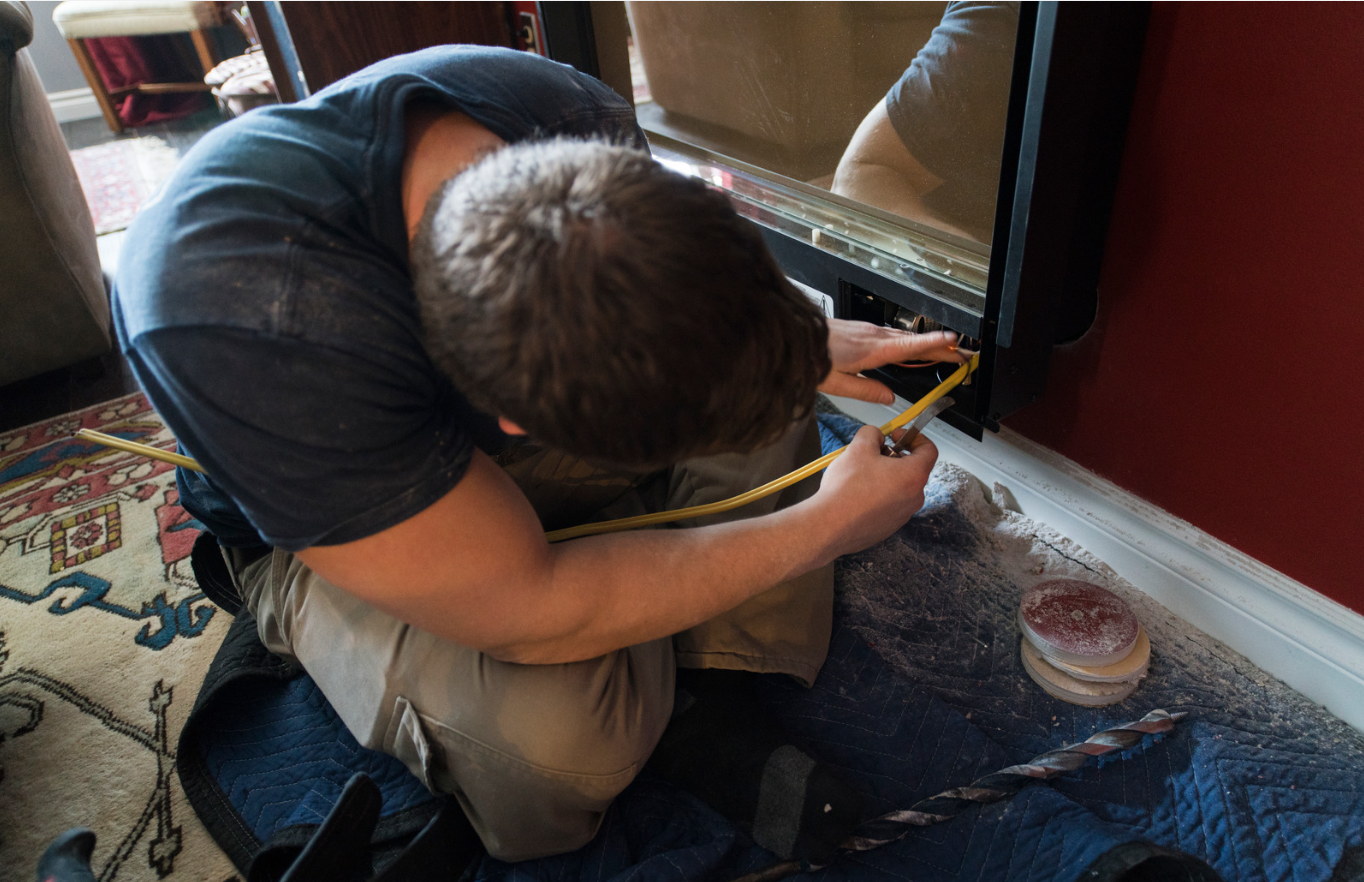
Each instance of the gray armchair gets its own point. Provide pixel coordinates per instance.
(54, 310)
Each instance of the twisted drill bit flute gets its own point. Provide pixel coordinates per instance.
(991, 788)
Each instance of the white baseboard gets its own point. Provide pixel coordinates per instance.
(1300, 636)
(74, 104)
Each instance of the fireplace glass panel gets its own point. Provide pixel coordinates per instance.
(872, 131)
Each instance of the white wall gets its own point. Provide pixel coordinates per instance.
(56, 65)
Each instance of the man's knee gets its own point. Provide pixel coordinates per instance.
(597, 718)
(535, 752)
(537, 767)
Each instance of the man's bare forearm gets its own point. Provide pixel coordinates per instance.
(608, 592)
(888, 189)
(620, 590)
(474, 567)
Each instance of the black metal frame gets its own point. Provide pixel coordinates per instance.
(1075, 69)
(569, 35)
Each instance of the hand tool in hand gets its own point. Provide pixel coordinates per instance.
(913, 429)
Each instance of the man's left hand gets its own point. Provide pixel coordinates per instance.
(860, 346)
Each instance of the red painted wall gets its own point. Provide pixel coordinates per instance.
(1222, 378)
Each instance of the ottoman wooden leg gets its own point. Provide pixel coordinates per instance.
(207, 57)
(92, 77)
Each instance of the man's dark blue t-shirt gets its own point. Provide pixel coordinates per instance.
(265, 303)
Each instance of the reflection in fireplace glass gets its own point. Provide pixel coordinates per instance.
(870, 129)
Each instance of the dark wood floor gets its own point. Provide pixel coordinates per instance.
(99, 379)
(181, 134)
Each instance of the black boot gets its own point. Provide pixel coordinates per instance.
(724, 748)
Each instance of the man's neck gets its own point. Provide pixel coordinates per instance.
(440, 143)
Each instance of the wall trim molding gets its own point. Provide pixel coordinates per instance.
(1299, 635)
(74, 104)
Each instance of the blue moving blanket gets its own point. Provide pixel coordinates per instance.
(924, 690)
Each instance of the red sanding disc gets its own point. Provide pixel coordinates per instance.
(1077, 622)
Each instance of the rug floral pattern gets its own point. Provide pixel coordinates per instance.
(120, 176)
(104, 639)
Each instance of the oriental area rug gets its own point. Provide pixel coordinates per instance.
(104, 639)
(120, 176)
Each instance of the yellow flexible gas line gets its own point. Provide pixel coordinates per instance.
(805, 471)
(661, 517)
(140, 449)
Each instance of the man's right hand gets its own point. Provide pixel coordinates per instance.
(866, 497)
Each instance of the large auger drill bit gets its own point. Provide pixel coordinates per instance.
(991, 788)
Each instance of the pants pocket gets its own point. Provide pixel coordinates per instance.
(408, 742)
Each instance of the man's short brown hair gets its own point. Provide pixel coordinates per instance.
(613, 308)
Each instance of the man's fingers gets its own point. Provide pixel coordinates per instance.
(868, 442)
(920, 446)
(933, 346)
(867, 436)
(853, 386)
(917, 446)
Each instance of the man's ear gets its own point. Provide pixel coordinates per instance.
(508, 427)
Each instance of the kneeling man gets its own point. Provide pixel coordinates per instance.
(443, 305)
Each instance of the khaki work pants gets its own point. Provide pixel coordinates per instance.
(536, 753)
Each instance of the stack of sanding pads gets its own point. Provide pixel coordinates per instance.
(1082, 643)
